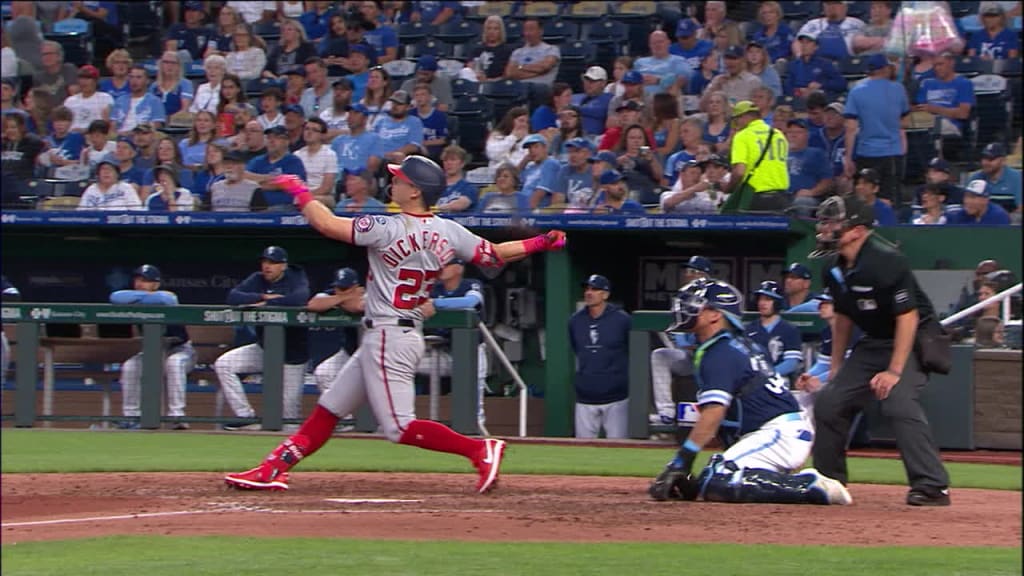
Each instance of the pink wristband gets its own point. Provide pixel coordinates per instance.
(535, 244)
(303, 198)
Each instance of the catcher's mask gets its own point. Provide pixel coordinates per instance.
(835, 216)
(703, 293)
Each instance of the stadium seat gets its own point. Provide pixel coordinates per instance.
(513, 31)
(400, 69)
(577, 56)
(585, 13)
(140, 20)
(853, 68)
(637, 8)
(860, 10)
(461, 87)
(962, 8)
(459, 32)
(474, 114)
(972, 66)
(413, 32)
(429, 46)
(500, 8)
(606, 32)
(799, 10)
(559, 31)
(1007, 67)
(268, 31)
(993, 108)
(504, 94)
(256, 86)
(75, 37)
(450, 67)
(542, 9)
(194, 71)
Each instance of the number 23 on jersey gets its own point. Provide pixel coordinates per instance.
(414, 288)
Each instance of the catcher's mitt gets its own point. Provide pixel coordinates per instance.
(673, 484)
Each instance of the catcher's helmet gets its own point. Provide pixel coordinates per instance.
(147, 272)
(423, 173)
(344, 278)
(699, 263)
(705, 293)
(835, 216)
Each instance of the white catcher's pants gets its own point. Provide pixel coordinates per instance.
(443, 358)
(179, 362)
(782, 444)
(664, 363)
(248, 359)
(382, 372)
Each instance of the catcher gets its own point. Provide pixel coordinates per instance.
(748, 406)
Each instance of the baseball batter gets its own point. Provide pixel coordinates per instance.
(748, 406)
(406, 253)
(180, 356)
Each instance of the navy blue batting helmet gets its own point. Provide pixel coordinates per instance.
(769, 288)
(705, 293)
(699, 263)
(274, 254)
(423, 173)
(147, 272)
(344, 278)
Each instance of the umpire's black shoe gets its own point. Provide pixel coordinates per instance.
(922, 497)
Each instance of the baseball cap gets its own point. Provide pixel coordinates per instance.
(580, 142)
(358, 107)
(110, 163)
(234, 156)
(633, 77)
(807, 35)
(978, 188)
(990, 9)
(293, 108)
(798, 122)
(534, 139)
(716, 160)
(869, 174)
(197, 6)
(630, 105)
(353, 171)
(734, 52)
(877, 62)
(599, 282)
(148, 272)
(699, 263)
(756, 43)
(595, 73)
(143, 127)
(799, 270)
(360, 49)
(604, 156)
(836, 107)
(611, 177)
(89, 71)
(400, 97)
(166, 168)
(276, 131)
(686, 28)
(10, 82)
(274, 254)
(127, 140)
(993, 150)
(743, 107)
(342, 83)
(938, 164)
(344, 278)
(427, 63)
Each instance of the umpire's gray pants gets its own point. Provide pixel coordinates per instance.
(850, 391)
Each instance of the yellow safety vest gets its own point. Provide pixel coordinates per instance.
(772, 174)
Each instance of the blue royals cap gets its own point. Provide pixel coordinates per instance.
(295, 108)
(147, 272)
(579, 142)
(599, 282)
(360, 49)
(534, 139)
(939, 164)
(274, 254)
(799, 122)
(686, 28)
(359, 107)
(877, 62)
(799, 270)
(427, 63)
(633, 77)
(197, 6)
(611, 177)
(345, 278)
(604, 156)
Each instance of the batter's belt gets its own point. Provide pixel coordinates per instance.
(403, 322)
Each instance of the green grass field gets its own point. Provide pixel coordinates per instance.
(25, 451)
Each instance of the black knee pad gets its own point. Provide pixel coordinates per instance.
(725, 482)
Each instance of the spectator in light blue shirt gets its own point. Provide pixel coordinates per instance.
(400, 133)
(539, 175)
(507, 199)
(359, 148)
(810, 173)
(138, 105)
(1004, 183)
(689, 46)
(593, 102)
(662, 71)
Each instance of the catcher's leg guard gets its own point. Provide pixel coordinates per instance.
(724, 482)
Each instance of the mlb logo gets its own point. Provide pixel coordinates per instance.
(687, 413)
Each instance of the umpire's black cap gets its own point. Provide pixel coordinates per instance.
(274, 254)
(423, 173)
(345, 278)
(147, 272)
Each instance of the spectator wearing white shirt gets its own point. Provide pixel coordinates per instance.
(536, 61)
(208, 93)
(320, 162)
(253, 11)
(691, 193)
(248, 56)
(835, 32)
(108, 192)
(504, 142)
(88, 104)
(98, 147)
(319, 95)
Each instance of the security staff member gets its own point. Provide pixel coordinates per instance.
(760, 178)
(874, 290)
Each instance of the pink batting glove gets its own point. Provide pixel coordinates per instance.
(294, 186)
(556, 240)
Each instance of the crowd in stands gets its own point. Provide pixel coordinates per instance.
(230, 94)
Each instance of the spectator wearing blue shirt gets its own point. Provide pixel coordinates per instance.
(615, 196)
(703, 76)
(400, 134)
(139, 105)
(772, 33)
(118, 62)
(538, 177)
(171, 87)
(1004, 183)
(810, 72)
(662, 71)
(834, 31)
(874, 111)
(995, 41)
(832, 137)
(190, 35)
(316, 22)
(383, 38)
(506, 199)
(360, 193)
(544, 119)
(691, 138)
(689, 46)
(866, 186)
(948, 95)
(435, 122)
(359, 148)
(575, 180)
(810, 174)
(593, 102)
(979, 210)
(65, 146)
(433, 12)
(125, 154)
(278, 160)
(459, 195)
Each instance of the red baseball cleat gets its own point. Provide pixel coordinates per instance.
(262, 477)
(488, 464)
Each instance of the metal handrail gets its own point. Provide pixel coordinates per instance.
(1003, 297)
(523, 391)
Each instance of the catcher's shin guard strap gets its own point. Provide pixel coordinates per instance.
(726, 483)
